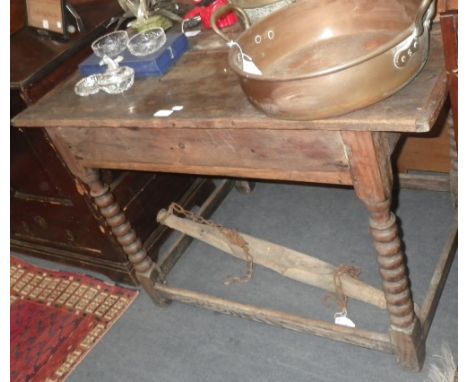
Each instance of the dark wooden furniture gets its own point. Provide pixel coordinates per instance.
(447, 5)
(424, 160)
(17, 15)
(449, 26)
(220, 133)
(52, 215)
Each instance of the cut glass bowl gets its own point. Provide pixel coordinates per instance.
(147, 42)
(111, 44)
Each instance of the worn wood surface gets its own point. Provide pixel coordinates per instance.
(313, 156)
(287, 262)
(364, 338)
(212, 99)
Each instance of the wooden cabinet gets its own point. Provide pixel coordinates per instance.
(424, 159)
(449, 26)
(447, 5)
(51, 214)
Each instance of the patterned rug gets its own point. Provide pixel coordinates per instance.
(56, 318)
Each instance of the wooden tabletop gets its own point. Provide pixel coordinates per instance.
(210, 93)
(33, 56)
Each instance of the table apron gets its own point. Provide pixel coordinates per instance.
(291, 155)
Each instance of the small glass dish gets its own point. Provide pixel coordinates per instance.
(115, 81)
(111, 44)
(87, 86)
(147, 42)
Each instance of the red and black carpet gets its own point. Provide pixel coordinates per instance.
(56, 318)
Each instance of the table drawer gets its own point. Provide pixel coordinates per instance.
(315, 156)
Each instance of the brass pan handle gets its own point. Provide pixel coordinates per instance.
(410, 46)
(221, 12)
(420, 16)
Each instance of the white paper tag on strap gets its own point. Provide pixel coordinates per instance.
(249, 66)
(341, 319)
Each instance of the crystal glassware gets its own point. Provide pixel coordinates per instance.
(87, 86)
(147, 42)
(111, 44)
(116, 81)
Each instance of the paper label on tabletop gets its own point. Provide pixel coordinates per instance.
(163, 113)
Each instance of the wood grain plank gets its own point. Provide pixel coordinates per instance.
(315, 156)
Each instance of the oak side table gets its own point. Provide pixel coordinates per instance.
(219, 133)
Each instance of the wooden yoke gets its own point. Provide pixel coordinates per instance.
(369, 160)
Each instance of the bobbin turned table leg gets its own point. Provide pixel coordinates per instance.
(146, 270)
(369, 160)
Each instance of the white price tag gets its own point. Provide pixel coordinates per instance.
(248, 66)
(168, 112)
(341, 319)
(163, 113)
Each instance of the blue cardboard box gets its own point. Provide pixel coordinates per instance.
(153, 65)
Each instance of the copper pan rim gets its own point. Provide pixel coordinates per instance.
(334, 69)
(391, 44)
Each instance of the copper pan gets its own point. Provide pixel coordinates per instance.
(322, 58)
